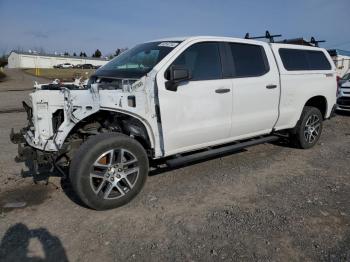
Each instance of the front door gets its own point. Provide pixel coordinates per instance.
(198, 114)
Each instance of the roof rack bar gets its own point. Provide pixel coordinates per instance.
(266, 36)
(315, 42)
(301, 41)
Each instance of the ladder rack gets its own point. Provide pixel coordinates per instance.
(271, 38)
(266, 36)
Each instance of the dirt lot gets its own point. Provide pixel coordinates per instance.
(18, 84)
(15, 88)
(269, 203)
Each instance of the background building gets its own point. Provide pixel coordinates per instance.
(34, 60)
(341, 60)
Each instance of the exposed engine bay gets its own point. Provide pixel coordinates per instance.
(110, 83)
(105, 83)
(63, 115)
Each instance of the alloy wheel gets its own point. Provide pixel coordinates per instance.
(312, 128)
(114, 173)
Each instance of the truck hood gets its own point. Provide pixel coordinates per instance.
(125, 74)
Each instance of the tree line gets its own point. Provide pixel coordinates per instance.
(98, 53)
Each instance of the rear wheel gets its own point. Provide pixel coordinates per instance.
(109, 170)
(309, 128)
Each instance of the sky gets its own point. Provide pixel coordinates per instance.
(84, 25)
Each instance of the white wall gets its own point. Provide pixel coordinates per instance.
(39, 61)
(13, 60)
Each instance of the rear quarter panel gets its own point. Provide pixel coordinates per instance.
(297, 87)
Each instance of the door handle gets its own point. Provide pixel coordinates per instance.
(271, 86)
(222, 90)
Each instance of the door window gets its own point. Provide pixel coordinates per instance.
(202, 60)
(249, 60)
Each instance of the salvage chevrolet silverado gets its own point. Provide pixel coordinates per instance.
(180, 100)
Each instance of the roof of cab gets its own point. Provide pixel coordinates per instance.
(183, 38)
(233, 39)
(190, 38)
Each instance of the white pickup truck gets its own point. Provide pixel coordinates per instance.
(180, 100)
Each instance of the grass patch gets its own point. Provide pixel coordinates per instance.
(62, 74)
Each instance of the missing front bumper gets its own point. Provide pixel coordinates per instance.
(37, 161)
(28, 154)
(17, 138)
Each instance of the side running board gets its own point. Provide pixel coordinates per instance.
(183, 160)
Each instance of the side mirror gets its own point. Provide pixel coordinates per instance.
(177, 74)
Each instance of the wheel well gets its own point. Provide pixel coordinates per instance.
(109, 121)
(319, 102)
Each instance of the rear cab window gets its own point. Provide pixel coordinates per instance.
(248, 60)
(303, 60)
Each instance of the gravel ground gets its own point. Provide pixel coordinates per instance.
(15, 89)
(17, 80)
(268, 203)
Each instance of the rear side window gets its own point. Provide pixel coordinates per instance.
(318, 61)
(297, 60)
(249, 60)
(203, 61)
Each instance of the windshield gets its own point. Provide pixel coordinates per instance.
(137, 61)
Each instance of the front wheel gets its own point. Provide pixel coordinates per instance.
(309, 128)
(109, 170)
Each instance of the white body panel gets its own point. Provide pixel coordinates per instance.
(255, 107)
(79, 104)
(299, 86)
(195, 116)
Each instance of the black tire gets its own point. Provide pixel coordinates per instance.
(87, 160)
(301, 136)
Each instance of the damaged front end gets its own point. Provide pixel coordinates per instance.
(24, 150)
(57, 110)
(50, 117)
(33, 157)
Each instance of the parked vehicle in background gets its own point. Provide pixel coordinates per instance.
(85, 66)
(179, 100)
(345, 78)
(65, 65)
(343, 100)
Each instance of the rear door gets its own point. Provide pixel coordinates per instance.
(198, 114)
(256, 89)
